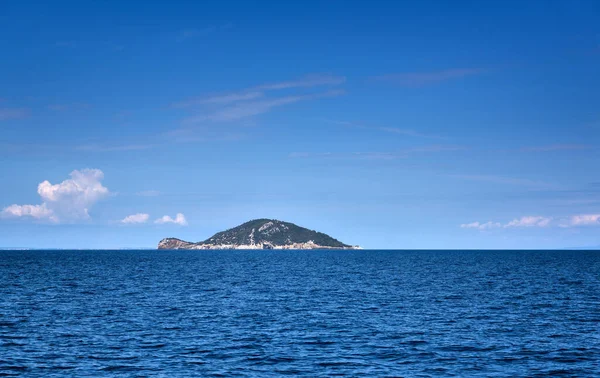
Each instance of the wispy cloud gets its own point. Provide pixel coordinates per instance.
(68, 107)
(30, 148)
(309, 154)
(219, 99)
(236, 109)
(411, 133)
(201, 133)
(259, 91)
(113, 148)
(505, 180)
(378, 155)
(557, 147)
(386, 129)
(366, 155)
(419, 79)
(307, 81)
(247, 109)
(436, 148)
(13, 113)
(148, 193)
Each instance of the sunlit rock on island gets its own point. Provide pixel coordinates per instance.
(262, 234)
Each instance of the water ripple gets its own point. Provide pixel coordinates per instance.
(301, 313)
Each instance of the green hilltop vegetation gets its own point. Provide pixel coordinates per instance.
(261, 234)
(272, 231)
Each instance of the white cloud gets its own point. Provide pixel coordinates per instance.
(70, 200)
(135, 218)
(179, 219)
(481, 226)
(34, 211)
(585, 220)
(529, 221)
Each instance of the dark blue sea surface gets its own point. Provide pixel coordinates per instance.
(310, 313)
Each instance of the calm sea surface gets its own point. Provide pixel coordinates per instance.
(311, 313)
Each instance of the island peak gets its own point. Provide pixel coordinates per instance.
(261, 233)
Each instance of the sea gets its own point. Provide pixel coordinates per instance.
(155, 313)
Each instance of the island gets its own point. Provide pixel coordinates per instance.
(261, 234)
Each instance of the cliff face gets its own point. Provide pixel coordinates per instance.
(261, 234)
(173, 243)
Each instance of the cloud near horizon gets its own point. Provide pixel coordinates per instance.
(529, 221)
(179, 219)
(539, 221)
(136, 218)
(526, 221)
(585, 220)
(481, 226)
(68, 201)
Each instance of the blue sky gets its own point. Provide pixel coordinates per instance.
(429, 124)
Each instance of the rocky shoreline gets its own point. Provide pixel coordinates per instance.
(173, 243)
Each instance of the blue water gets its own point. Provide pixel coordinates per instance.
(311, 313)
